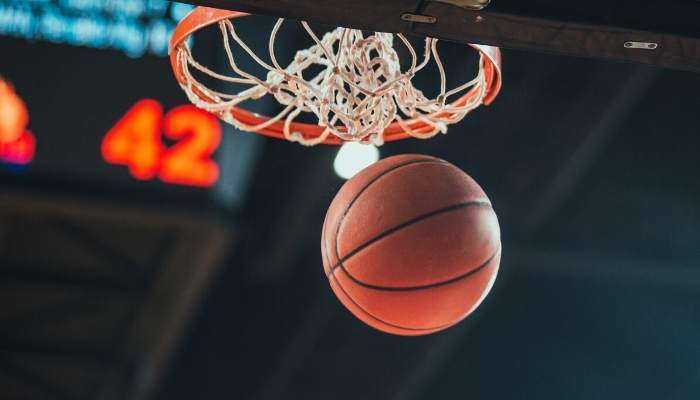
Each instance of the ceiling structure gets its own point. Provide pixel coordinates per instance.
(95, 296)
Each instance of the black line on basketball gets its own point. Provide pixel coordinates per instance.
(340, 263)
(369, 183)
(323, 247)
(376, 178)
(357, 196)
(369, 314)
(423, 287)
(403, 225)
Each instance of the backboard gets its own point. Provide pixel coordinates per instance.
(663, 33)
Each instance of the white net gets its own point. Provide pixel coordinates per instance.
(355, 87)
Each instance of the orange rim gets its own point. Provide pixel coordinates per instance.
(202, 17)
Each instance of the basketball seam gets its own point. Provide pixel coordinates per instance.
(323, 247)
(406, 328)
(376, 178)
(340, 224)
(422, 287)
(427, 215)
(399, 227)
(367, 185)
(440, 327)
(372, 316)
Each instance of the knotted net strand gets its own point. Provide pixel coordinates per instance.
(359, 92)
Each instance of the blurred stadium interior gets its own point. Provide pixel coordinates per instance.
(117, 285)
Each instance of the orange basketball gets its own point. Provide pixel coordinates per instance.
(411, 245)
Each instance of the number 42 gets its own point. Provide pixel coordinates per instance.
(136, 141)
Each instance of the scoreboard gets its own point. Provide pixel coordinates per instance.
(102, 111)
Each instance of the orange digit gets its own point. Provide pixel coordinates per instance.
(20, 151)
(135, 140)
(189, 161)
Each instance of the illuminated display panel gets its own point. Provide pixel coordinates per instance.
(17, 143)
(102, 119)
(136, 141)
(19, 151)
(135, 27)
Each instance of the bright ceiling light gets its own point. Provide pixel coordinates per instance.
(353, 157)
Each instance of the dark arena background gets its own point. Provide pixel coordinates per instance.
(125, 277)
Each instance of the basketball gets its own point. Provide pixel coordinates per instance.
(411, 245)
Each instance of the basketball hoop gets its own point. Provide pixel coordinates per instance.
(361, 93)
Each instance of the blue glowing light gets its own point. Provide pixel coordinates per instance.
(134, 27)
